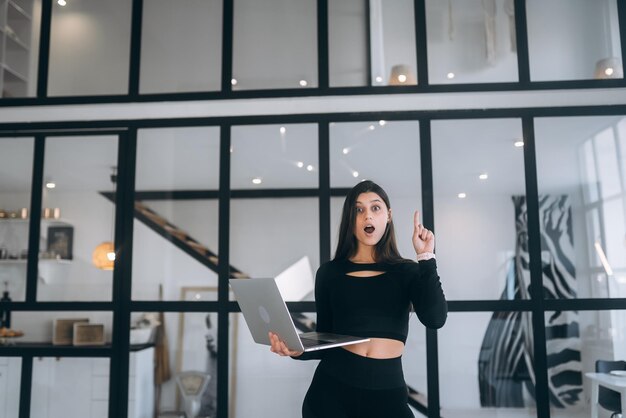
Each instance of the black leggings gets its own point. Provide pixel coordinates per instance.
(346, 385)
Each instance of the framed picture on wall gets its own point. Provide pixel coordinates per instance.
(61, 241)
(197, 347)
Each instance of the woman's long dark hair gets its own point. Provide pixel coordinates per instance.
(386, 250)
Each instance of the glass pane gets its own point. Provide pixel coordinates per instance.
(480, 196)
(486, 365)
(260, 229)
(471, 41)
(289, 156)
(89, 48)
(78, 219)
(141, 380)
(395, 144)
(16, 170)
(274, 44)
(56, 328)
(389, 50)
(414, 364)
(576, 341)
(59, 382)
(181, 46)
(182, 347)
(582, 230)
(261, 375)
(10, 379)
(176, 212)
(21, 22)
(573, 40)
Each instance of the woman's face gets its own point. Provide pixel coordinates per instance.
(372, 216)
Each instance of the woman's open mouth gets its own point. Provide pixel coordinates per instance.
(369, 229)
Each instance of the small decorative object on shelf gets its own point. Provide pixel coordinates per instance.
(88, 334)
(8, 335)
(60, 241)
(5, 313)
(51, 213)
(63, 330)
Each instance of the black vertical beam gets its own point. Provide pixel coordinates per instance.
(122, 286)
(324, 185)
(322, 45)
(135, 48)
(521, 38)
(224, 273)
(44, 49)
(428, 219)
(26, 385)
(421, 42)
(368, 43)
(536, 276)
(34, 226)
(228, 24)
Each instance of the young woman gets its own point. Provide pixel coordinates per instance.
(367, 291)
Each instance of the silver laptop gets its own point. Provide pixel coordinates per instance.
(265, 310)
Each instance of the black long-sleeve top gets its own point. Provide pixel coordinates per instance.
(377, 306)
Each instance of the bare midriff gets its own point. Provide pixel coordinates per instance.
(380, 348)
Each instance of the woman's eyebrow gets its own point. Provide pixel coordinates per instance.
(371, 201)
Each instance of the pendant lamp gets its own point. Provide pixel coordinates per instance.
(103, 256)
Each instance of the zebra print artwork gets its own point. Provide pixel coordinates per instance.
(505, 365)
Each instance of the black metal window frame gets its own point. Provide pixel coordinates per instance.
(324, 89)
(122, 305)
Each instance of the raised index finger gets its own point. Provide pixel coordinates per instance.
(416, 218)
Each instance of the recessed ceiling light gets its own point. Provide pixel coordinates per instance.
(231, 148)
(402, 78)
(355, 174)
(51, 185)
(450, 76)
(300, 164)
(382, 122)
(257, 180)
(233, 81)
(519, 143)
(303, 83)
(309, 167)
(462, 195)
(371, 127)
(283, 129)
(345, 150)
(483, 176)
(608, 71)
(61, 2)
(379, 79)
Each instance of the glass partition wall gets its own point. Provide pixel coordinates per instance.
(483, 221)
(222, 48)
(116, 248)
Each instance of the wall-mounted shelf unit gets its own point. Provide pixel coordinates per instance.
(16, 25)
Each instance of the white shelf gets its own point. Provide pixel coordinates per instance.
(14, 74)
(21, 11)
(43, 221)
(14, 43)
(46, 261)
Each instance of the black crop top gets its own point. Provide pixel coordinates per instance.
(377, 306)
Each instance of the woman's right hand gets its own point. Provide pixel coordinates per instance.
(279, 347)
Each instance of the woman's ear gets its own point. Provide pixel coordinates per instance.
(389, 216)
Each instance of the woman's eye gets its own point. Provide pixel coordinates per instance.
(359, 210)
(376, 208)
